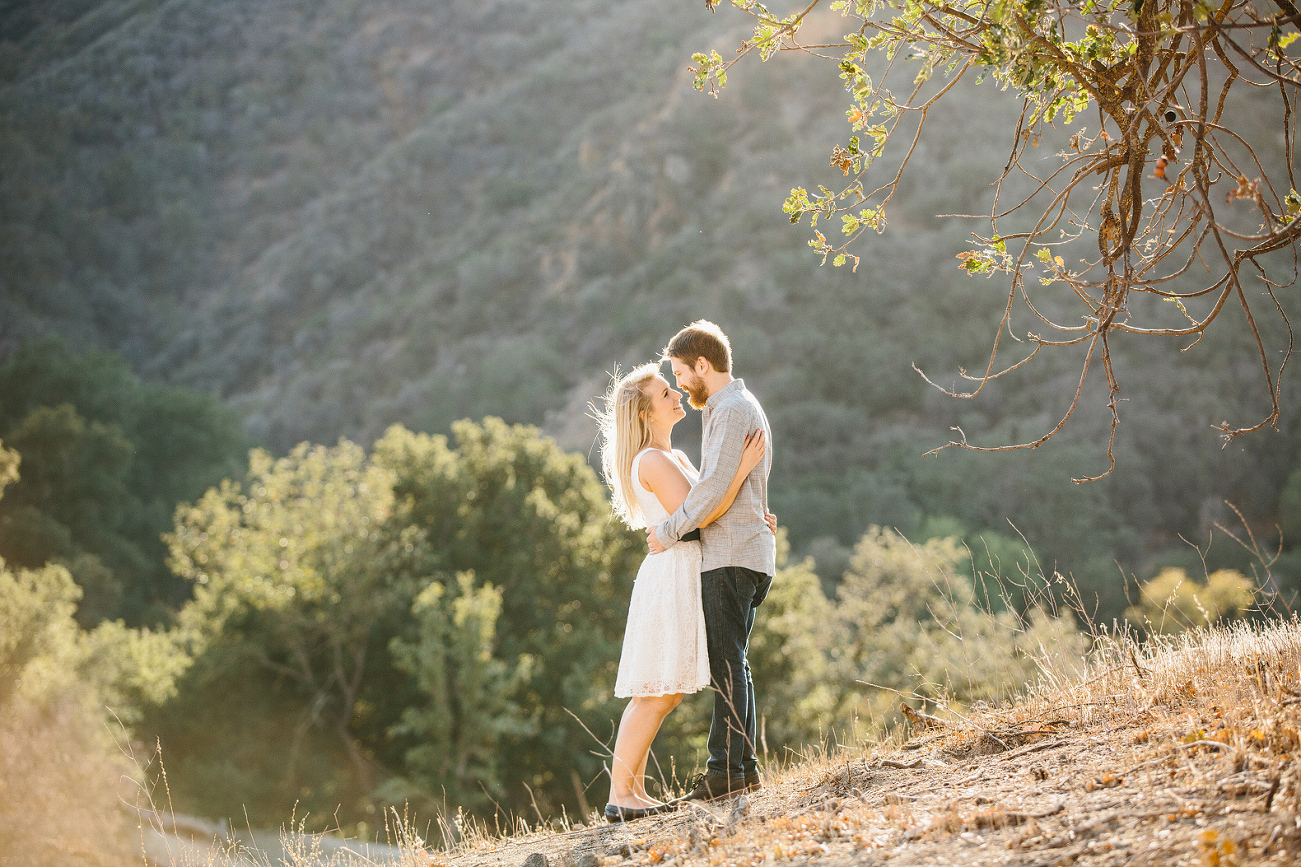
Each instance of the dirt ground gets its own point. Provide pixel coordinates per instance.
(1187, 759)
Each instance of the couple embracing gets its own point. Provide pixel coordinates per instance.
(712, 560)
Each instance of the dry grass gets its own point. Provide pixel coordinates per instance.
(60, 781)
(1181, 751)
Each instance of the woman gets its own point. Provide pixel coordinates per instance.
(664, 653)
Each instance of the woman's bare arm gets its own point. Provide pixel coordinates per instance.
(663, 477)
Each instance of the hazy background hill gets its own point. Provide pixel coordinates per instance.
(283, 222)
(340, 215)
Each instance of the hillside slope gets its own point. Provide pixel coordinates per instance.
(326, 212)
(1185, 754)
(1183, 751)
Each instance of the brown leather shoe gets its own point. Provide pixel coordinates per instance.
(707, 787)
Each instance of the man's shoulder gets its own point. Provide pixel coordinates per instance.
(738, 400)
(731, 409)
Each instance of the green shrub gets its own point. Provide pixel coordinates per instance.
(1172, 602)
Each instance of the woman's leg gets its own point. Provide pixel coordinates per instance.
(639, 778)
(641, 720)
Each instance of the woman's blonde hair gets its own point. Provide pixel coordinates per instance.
(625, 432)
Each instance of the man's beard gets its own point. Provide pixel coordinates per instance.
(697, 394)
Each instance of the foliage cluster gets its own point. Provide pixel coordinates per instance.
(1173, 602)
(66, 695)
(105, 459)
(436, 617)
(1166, 78)
(904, 621)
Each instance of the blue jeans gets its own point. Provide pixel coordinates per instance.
(730, 596)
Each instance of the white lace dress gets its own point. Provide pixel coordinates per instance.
(664, 648)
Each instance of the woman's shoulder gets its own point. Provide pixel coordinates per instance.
(653, 457)
(656, 463)
(646, 454)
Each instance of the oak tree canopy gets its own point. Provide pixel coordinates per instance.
(1158, 192)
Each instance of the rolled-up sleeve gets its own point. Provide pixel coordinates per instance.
(720, 456)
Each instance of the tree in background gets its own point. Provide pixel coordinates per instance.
(62, 691)
(469, 709)
(907, 620)
(298, 570)
(1173, 602)
(904, 621)
(443, 612)
(1123, 225)
(798, 695)
(533, 522)
(71, 506)
(105, 461)
(1002, 570)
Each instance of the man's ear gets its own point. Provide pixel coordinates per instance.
(702, 366)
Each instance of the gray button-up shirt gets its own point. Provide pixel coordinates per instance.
(740, 537)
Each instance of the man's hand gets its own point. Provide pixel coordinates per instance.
(654, 543)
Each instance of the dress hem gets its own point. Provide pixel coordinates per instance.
(691, 691)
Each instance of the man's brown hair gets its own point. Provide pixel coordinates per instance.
(701, 339)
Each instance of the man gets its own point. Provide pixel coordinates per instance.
(739, 552)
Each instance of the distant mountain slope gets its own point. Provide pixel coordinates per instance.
(339, 215)
(326, 211)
